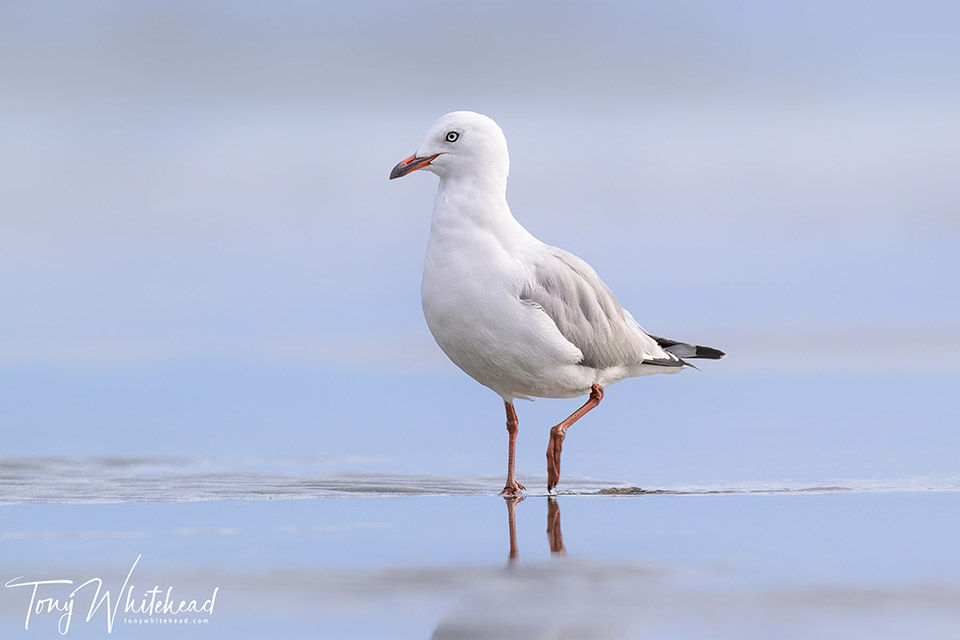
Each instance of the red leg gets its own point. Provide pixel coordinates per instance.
(559, 432)
(512, 487)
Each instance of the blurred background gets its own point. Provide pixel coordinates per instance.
(201, 255)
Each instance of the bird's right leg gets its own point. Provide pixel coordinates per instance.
(512, 487)
(559, 432)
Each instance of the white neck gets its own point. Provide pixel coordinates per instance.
(478, 200)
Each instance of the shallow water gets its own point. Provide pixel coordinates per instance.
(299, 551)
(104, 480)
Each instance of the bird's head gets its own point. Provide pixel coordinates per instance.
(460, 144)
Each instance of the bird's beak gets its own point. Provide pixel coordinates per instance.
(412, 163)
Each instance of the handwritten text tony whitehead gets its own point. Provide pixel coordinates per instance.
(153, 602)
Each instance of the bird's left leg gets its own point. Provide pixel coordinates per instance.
(559, 432)
(512, 487)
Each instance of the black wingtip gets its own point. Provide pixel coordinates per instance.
(685, 350)
(709, 353)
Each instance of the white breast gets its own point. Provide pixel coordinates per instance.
(470, 293)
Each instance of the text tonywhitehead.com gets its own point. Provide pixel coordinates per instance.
(155, 606)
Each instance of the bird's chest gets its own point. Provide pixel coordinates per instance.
(469, 295)
(467, 277)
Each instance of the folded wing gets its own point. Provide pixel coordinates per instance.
(587, 313)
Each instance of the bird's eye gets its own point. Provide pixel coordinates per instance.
(452, 136)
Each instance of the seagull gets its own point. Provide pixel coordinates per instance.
(519, 316)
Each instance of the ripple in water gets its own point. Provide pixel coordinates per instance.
(107, 480)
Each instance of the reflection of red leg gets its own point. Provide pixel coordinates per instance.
(553, 527)
(559, 432)
(512, 487)
(512, 502)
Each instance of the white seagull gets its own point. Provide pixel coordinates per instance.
(519, 316)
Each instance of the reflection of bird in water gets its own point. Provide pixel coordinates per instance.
(553, 528)
(521, 317)
(562, 599)
(554, 535)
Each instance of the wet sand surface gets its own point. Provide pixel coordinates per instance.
(296, 551)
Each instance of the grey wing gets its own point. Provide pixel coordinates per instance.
(587, 313)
